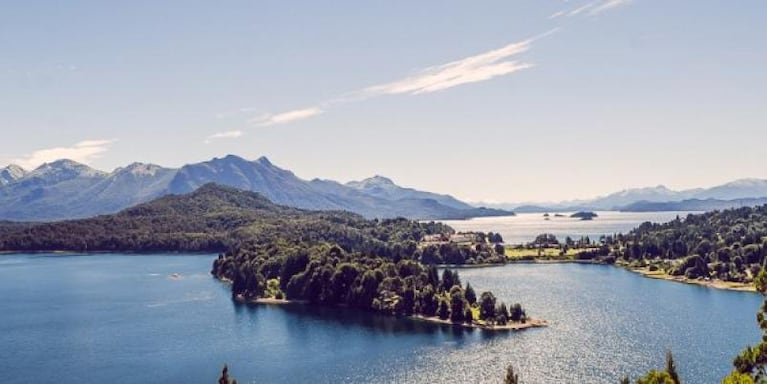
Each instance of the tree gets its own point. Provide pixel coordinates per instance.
(449, 279)
(738, 378)
(656, 377)
(667, 376)
(367, 290)
(625, 380)
(457, 306)
(468, 316)
(471, 296)
(486, 306)
(671, 368)
(502, 314)
(293, 264)
(427, 300)
(517, 314)
(408, 301)
(752, 362)
(444, 310)
(511, 377)
(224, 379)
(433, 276)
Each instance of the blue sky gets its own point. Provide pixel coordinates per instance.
(497, 100)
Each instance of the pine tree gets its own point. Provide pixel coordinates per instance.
(471, 296)
(671, 368)
(511, 377)
(444, 310)
(224, 379)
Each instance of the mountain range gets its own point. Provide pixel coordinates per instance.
(743, 192)
(65, 189)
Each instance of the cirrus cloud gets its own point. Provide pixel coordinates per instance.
(286, 117)
(471, 69)
(591, 8)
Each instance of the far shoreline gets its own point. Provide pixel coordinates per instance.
(657, 275)
(712, 283)
(556, 261)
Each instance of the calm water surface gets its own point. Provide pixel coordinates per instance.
(523, 227)
(124, 319)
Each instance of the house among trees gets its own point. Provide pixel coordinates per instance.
(435, 238)
(463, 238)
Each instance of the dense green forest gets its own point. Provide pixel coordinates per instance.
(727, 245)
(329, 275)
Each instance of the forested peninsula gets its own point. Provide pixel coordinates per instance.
(273, 253)
(721, 249)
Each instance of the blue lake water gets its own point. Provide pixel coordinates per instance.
(523, 227)
(125, 319)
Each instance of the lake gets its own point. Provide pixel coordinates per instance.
(112, 318)
(524, 227)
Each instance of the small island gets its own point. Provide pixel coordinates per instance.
(584, 215)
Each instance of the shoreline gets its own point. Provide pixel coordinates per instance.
(714, 283)
(530, 323)
(658, 275)
(556, 261)
(470, 266)
(520, 261)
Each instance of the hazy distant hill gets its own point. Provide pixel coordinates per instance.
(745, 190)
(693, 205)
(738, 189)
(385, 188)
(67, 190)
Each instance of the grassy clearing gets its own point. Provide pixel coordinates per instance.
(546, 253)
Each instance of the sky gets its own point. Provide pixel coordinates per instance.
(495, 101)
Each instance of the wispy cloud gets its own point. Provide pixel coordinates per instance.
(82, 152)
(582, 9)
(557, 14)
(607, 5)
(472, 69)
(591, 8)
(286, 117)
(223, 135)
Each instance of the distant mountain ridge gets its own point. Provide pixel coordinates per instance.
(729, 195)
(693, 205)
(385, 188)
(65, 189)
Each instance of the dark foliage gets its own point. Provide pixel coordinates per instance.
(727, 245)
